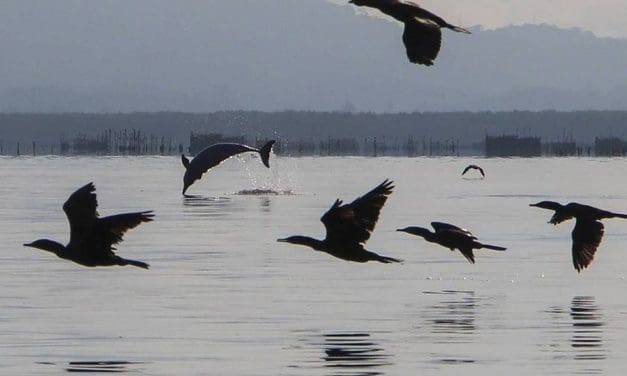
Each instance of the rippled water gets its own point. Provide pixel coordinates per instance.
(223, 297)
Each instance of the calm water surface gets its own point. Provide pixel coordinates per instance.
(222, 297)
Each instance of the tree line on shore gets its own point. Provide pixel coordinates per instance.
(517, 133)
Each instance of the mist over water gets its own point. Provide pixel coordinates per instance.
(223, 297)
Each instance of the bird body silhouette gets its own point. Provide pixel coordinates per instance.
(92, 238)
(215, 154)
(452, 237)
(474, 167)
(588, 230)
(349, 226)
(422, 35)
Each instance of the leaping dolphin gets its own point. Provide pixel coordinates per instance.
(213, 155)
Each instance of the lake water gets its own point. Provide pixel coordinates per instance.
(222, 297)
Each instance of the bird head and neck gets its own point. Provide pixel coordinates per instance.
(560, 214)
(304, 240)
(48, 245)
(551, 205)
(418, 231)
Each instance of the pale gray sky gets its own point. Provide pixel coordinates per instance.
(602, 17)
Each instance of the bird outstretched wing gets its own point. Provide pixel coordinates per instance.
(113, 227)
(469, 167)
(80, 209)
(587, 236)
(352, 223)
(422, 38)
(82, 204)
(441, 226)
(468, 253)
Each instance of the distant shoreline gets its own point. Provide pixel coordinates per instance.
(314, 133)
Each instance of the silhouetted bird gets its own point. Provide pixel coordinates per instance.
(588, 230)
(473, 167)
(349, 226)
(452, 237)
(92, 238)
(213, 155)
(422, 36)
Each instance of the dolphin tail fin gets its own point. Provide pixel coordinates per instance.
(185, 161)
(265, 152)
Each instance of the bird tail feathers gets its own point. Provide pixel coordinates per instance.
(139, 264)
(388, 260)
(493, 247)
(458, 29)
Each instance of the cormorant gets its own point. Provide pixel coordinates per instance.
(588, 229)
(474, 167)
(452, 237)
(213, 155)
(92, 238)
(422, 36)
(348, 227)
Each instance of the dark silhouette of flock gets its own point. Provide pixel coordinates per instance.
(348, 226)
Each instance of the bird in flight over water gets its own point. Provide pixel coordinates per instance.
(91, 237)
(452, 237)
(349, 226)
(215, 154)
(422, 35)
(588, 230)
(474, 167)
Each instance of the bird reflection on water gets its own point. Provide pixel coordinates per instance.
(587, 334)
(580, 327)
(349, 353)
(99, 366)
(451, 322)
(453, 319)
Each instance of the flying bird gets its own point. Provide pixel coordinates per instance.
(588, 230)
(422, 35)
(349, 226)
(92, 238)
(473, 167)
(451, 237)
(215, 154)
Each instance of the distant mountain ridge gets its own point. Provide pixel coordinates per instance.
(302, 55)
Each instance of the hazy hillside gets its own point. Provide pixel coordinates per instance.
(284, 54)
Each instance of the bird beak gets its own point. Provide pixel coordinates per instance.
(533, 205)
(27, 244)
(282, 240)
(401, 229)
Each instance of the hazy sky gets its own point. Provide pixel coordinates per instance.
(203, 55)
(602, 17)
